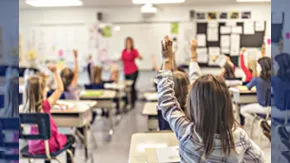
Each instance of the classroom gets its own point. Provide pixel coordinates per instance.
(146, 81)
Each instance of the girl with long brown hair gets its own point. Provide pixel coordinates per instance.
(208, 131)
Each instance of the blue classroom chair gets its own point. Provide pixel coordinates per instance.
(6, 125)
(43, 123)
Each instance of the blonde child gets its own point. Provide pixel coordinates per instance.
(208, 131)
(36, 102)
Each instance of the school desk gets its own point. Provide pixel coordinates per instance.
(151, 96)
(105, 99)
(142, 143)
(241, 96)
(121, 87)
(150, 110)
(79, 116)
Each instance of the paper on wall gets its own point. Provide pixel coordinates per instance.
(231, 23)
(212, 24)
(237, 30)
(249, 28)
(212, 34)
(202, 58)
(214, 50)
(168, 154)
(260, 26)
(225, 41)
(235, 45)
(202, 55)
(201, 39)
(225, 50)
(201, 50)
(225, 29)
(277, 18)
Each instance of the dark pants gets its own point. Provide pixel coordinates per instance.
(133, 77)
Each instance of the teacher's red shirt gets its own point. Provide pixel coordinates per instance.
(128, 58)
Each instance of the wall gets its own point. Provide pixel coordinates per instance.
(28, 18)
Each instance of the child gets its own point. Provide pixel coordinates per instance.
(37, 103)
(89, 66)
(208, 132)
(263, 87)
(280, 84)
(248, 72)
(181, 83)
(96, 75)
(70, 79)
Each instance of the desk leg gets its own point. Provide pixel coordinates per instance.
(129, 97)
(86, 141)
(111, 131)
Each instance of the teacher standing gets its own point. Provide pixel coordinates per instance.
(129, 55)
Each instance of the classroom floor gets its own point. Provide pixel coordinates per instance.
(117, 149)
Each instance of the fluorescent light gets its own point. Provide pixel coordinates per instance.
(148, 8)
(157, 1)
(54, 3)
(253, 0)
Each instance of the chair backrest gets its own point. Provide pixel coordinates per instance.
(94, 86)
(287, 99)
(268, 97)
(9, 125)
(43, 124)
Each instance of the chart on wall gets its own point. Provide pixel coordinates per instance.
(226, 38)
(57, 42)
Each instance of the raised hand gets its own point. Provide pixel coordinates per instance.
(52, 67)
(75, 53)
(243, 50)
(194, 45)
(167, 52)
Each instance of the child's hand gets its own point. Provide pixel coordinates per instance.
(243, 50)
(75, 53)
(52, 67)
(167, 48)
(193, 45)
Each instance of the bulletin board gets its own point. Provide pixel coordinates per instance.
(252, 41)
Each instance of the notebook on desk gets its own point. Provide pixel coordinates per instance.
(92, 93)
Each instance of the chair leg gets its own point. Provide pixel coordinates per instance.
(253, 126)
(70, 153)
(57, 160)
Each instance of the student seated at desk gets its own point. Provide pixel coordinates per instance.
(207, 132)
(247, 71)
(281, 84)
(70, 78)
(36, 102)
(263, 86)
(228, 70)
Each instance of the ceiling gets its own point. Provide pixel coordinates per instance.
(126, 3)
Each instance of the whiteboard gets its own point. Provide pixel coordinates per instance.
(147, 40)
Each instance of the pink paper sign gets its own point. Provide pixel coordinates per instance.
(60, 52)
(268, 41)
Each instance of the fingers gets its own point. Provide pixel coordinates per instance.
(162, 45)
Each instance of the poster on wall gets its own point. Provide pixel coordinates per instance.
(246, 15)
(223, 15)
(234, 15)
(107, 31)
(174, 28)
(200, 15)
(211, 15)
